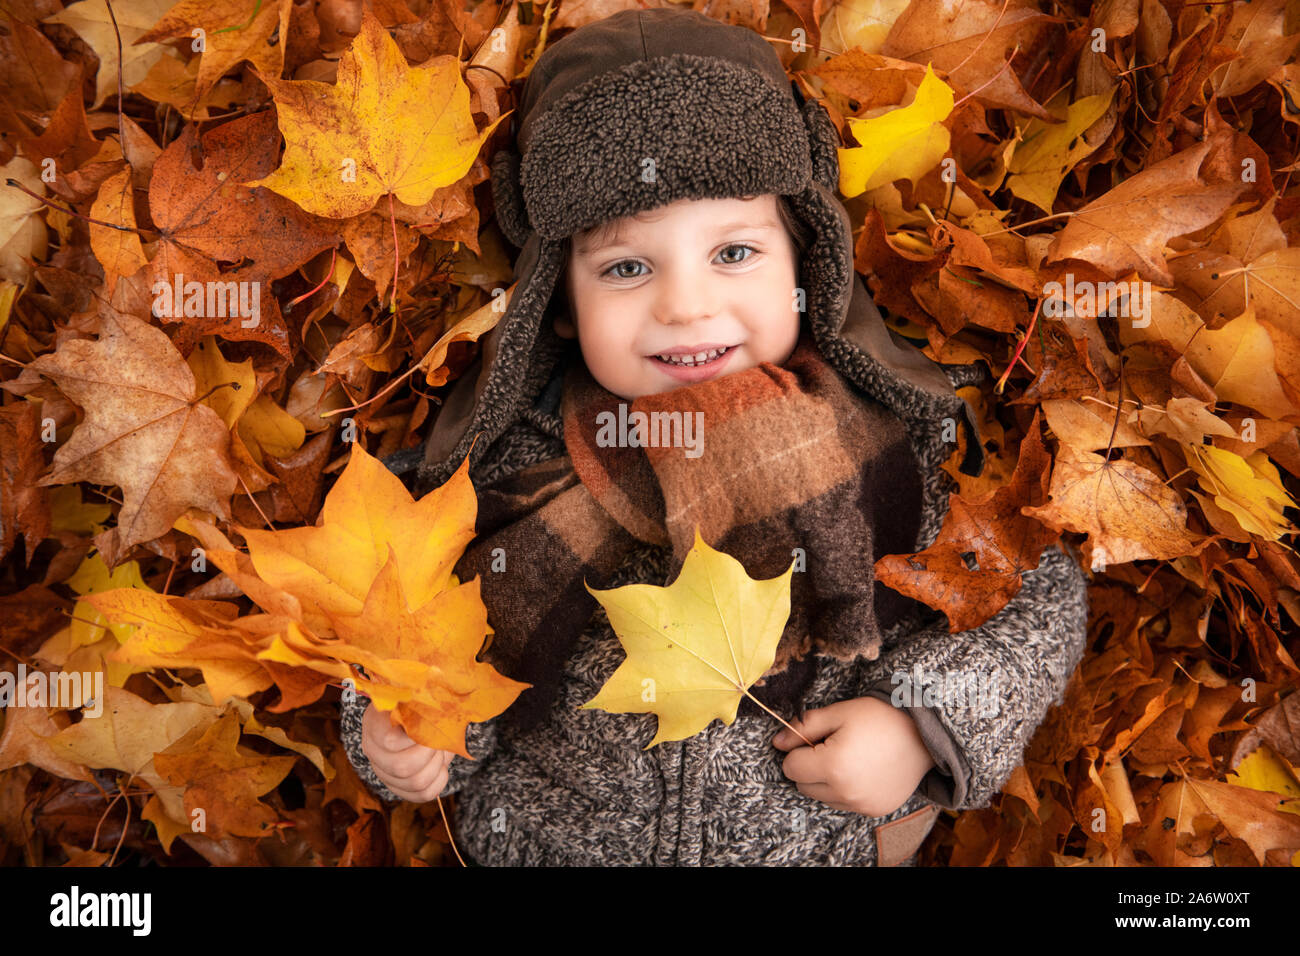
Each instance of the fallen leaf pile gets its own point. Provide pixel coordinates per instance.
(244, 249)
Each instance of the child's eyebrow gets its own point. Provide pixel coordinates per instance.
(746, 224)
(766, 225)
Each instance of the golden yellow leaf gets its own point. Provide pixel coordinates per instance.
(171, 633)
(330, 568)
(860, 23)
(905, 143)
(479, 322)
(91, 577)
(695, 646)
(1237, 359)
(227, 388)
(1264, 770)
(384, 127)
(69, 513)
(1249, 489)
(426, 653)
(267, 429)
(1050, 150)
(130, 731)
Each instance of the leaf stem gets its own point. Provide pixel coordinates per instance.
(449, 833)
(990, 80)
(780, 718)
(234, 385)
(73, 212)
(121, 133)
(1033, 319)
(334, 255)
(397, 255)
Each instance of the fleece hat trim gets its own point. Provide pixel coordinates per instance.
(651, 133)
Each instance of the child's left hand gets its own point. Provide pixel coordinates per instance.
(868, 756)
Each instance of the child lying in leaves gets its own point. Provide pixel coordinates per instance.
(667, 173)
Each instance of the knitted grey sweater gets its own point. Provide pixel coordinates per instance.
(580, 790)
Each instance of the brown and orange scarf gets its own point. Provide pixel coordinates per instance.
(764, 461)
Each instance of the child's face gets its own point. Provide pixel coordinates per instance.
(693, 276)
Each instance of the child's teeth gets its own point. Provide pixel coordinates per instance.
(699, 358)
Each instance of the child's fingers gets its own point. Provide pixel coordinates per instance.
(392, 736)
(397, 740)
(428, 793)
(384, 734)
(417, 776)
(420, 787)
(815, 725)
(805, 766)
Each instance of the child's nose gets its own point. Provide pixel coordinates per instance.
(685, 297)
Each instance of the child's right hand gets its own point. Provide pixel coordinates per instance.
(412, 771)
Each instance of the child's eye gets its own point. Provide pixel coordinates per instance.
(623, 275)
(738, 245)
(615, 270)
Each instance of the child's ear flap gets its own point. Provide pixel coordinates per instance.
(507, 196)
(823, 141)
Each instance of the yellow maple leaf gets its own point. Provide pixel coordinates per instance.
(905, 143)
(91, 577)
(384, 127)
(695, 646)
(1239, 360)
(1049, 151)
(228, 388)
(371, 585)
(69, 513)
(178, 632)
(438, 686)
(267, 429)
(1249, 489)
(129, 733)
(258, 425)
(330, 568)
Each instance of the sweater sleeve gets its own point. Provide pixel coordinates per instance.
(989, 687)
(480, 740)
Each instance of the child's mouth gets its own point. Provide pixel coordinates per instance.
(696, 367)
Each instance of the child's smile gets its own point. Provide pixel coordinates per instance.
(695, 363)
(682, 294)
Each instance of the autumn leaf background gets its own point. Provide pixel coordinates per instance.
(995, 156)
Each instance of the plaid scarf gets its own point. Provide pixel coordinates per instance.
(764, 461)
